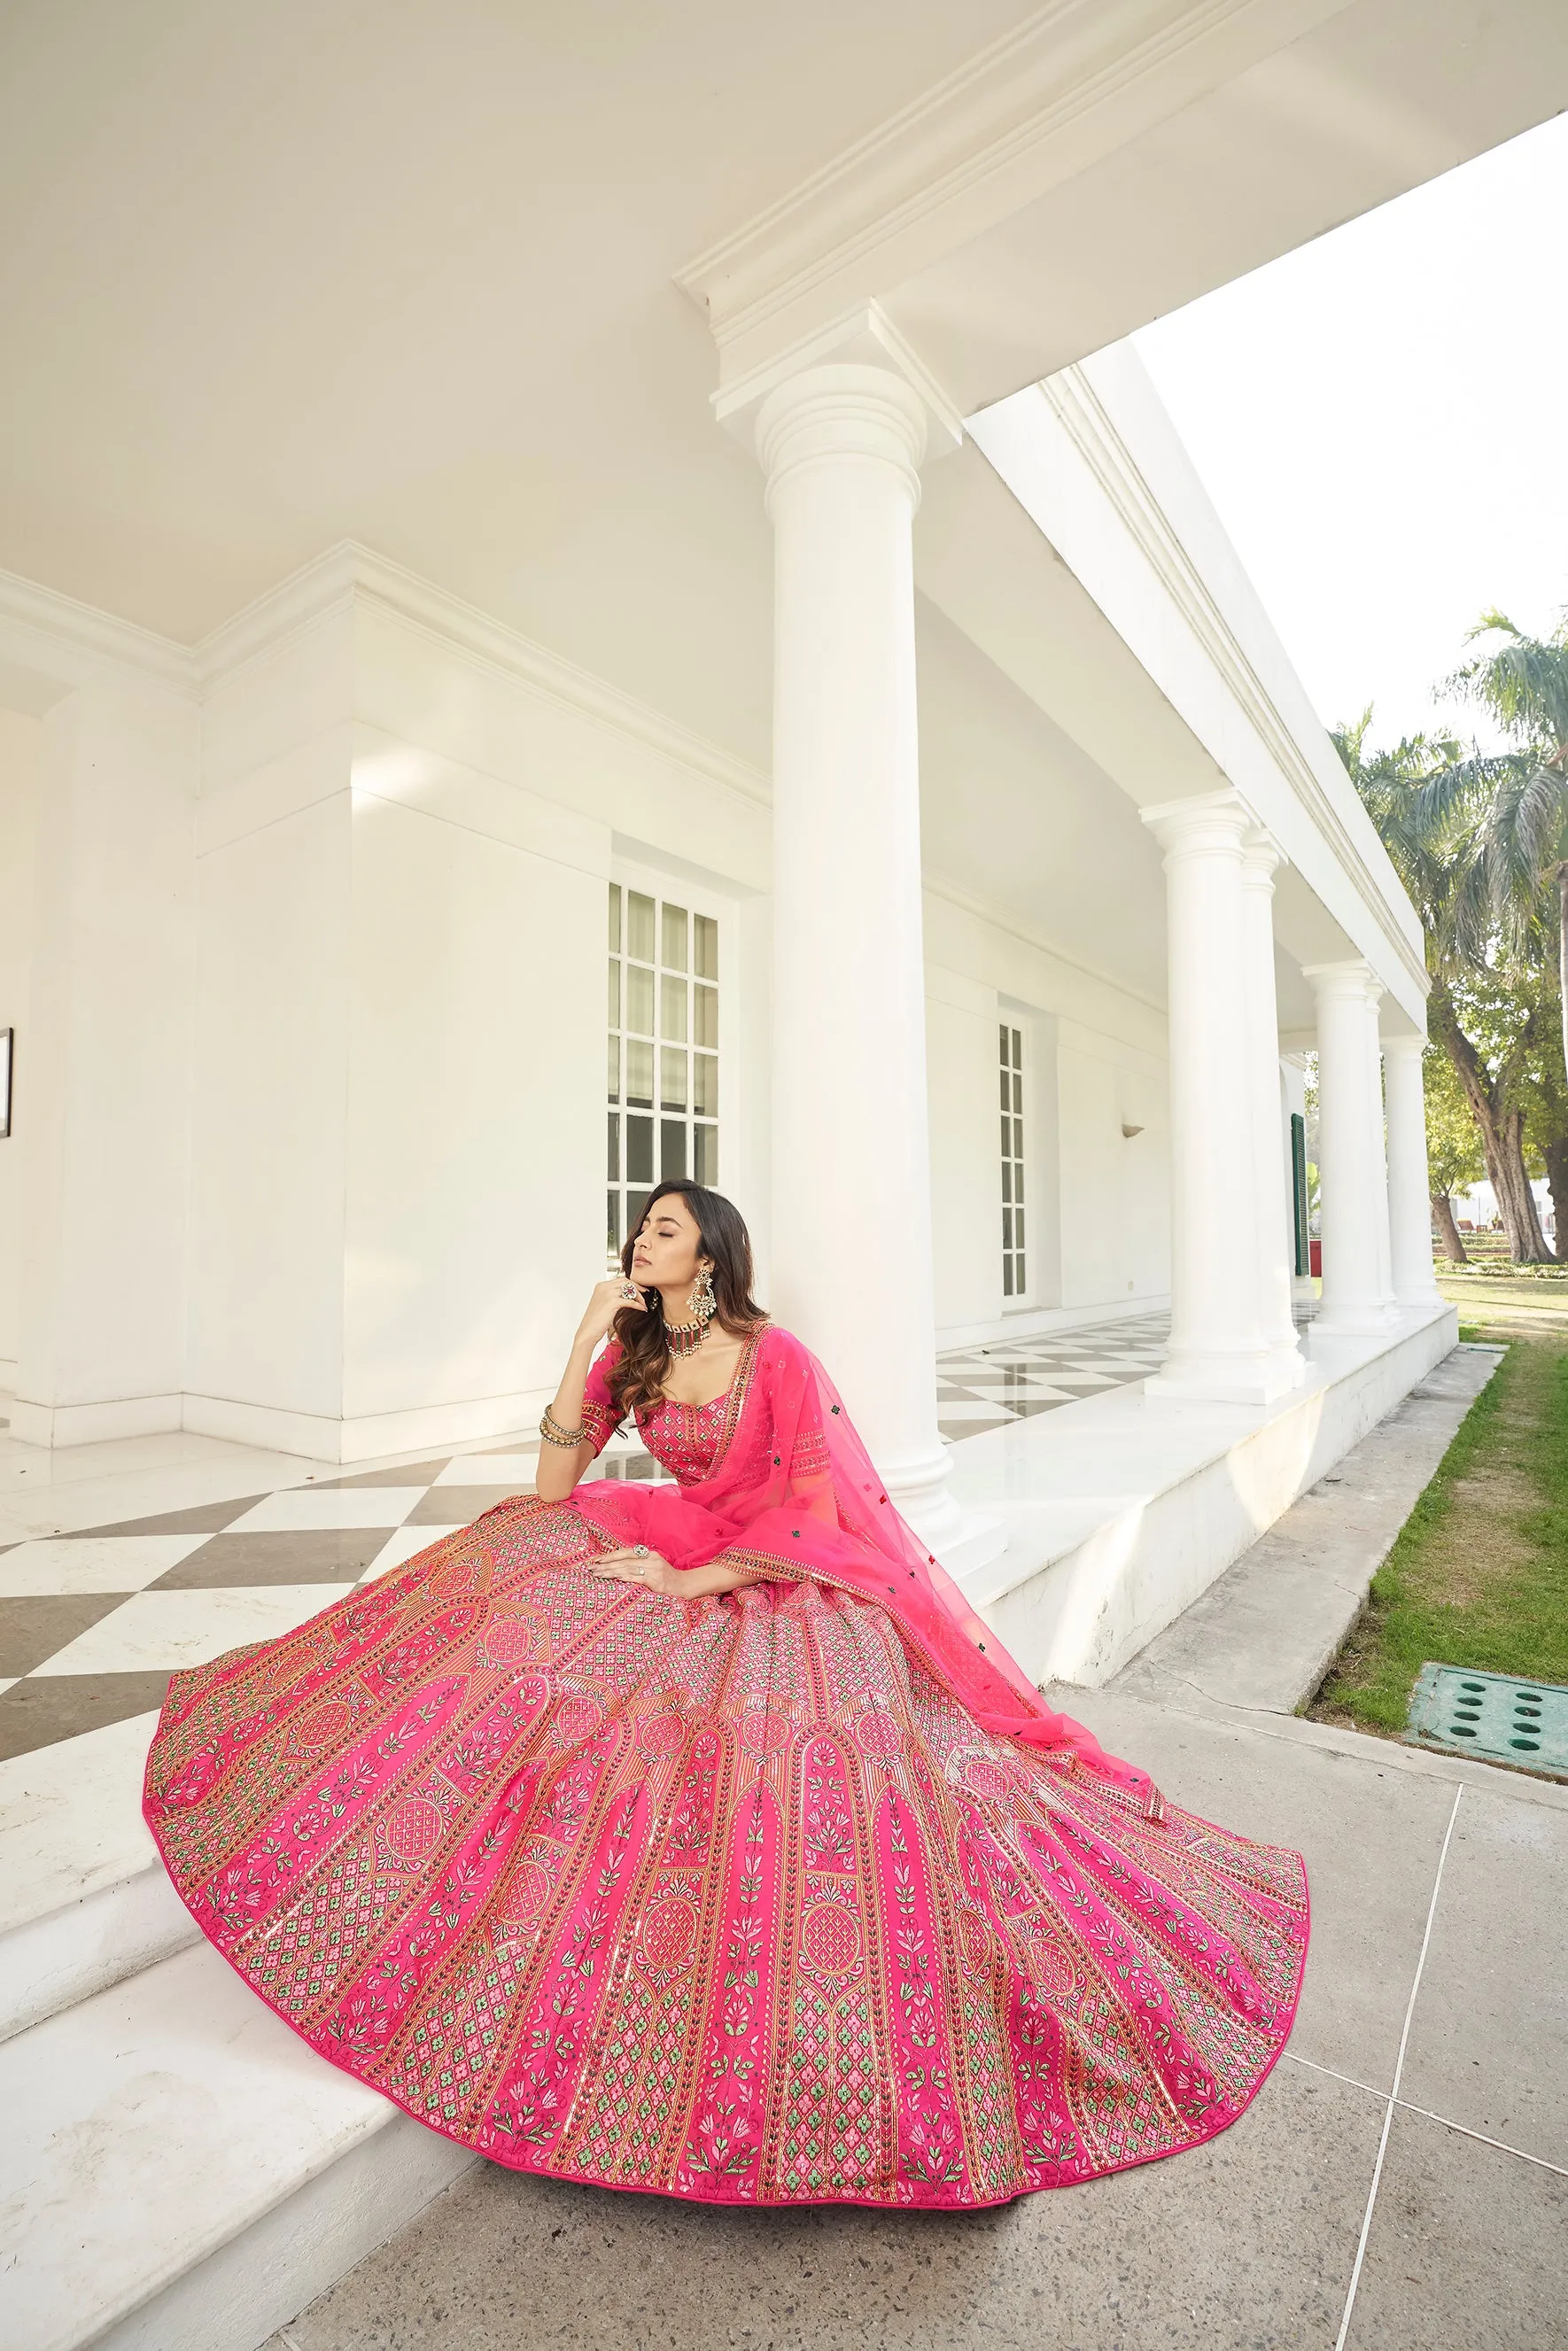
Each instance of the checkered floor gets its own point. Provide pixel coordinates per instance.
(984, 1388)
(92, 1624)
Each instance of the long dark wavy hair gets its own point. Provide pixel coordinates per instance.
(638, 1376)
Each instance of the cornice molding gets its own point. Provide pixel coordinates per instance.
(350, 574)
(92, 635)
(993, 116)
(1078, 408)
(344, 577)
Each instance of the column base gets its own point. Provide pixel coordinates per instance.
(961, 1540)
(1253, 1378)
(1356, 1322)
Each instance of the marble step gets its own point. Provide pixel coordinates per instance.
(84, 1898)
(178, 2172)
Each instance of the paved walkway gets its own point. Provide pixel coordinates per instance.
(1400, 2183)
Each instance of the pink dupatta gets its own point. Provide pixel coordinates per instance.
(817, 1508)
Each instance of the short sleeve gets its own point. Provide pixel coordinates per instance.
(600, 1417)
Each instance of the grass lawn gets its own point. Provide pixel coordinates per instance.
(1479, 1576)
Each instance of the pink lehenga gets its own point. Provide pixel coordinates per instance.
(795, 1894)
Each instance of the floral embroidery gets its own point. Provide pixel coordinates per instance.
(734, 1901)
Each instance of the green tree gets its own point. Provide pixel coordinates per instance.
(1540, 1085)
(1453, 1159)
(1430, 801)
(1507, 1012)
(1522, 682)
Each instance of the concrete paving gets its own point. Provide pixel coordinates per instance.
(1401, 2181)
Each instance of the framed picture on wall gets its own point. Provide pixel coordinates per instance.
(7, 1035)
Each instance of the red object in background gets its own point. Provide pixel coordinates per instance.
(1315, 1259)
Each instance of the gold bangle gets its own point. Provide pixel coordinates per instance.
(553, 1433)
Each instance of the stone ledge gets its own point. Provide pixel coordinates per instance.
(1124, 1510)
(1265, 1633)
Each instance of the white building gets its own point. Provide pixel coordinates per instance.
(462, 490)
(495, 496)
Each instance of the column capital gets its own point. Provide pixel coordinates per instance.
(1405, 1046)
(863, 336)
(1354, 980)
(826, 415)
(1262, 857)
(1211, 821)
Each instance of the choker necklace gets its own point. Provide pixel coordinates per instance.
(685, 1338)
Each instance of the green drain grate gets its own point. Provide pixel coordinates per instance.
(1492, 1716)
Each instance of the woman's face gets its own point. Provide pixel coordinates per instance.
(665, 1252)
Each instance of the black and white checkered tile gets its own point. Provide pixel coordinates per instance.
(984, 1388)
(92, 1624)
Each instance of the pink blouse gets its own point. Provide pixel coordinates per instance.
(687, 1439)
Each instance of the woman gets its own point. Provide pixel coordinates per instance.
(699, 1838)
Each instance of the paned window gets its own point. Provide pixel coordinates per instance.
(664, 1052)
(1015, 1278)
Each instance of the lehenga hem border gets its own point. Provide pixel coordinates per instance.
(755, 2203)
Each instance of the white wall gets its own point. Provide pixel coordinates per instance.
(1116, 1207)
(400, 1132)
(21, 756)
(352, 1002)
(476, 1140)
(105, 1174)
(966, 1155)
(1099, 1216)
(270, 1094)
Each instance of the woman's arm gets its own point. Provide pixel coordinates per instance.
(561, 1465)
(652, 1572)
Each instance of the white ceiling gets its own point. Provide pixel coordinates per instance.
(402, 271)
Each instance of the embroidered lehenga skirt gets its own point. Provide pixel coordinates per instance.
(724, 1898)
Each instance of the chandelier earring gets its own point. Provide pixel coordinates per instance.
(700, 1304)
(685, 1338)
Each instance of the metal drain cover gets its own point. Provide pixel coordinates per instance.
(1492, 1716)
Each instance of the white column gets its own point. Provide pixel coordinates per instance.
(1217, 1349)
(1287, 1366)
(840, 446)
(1379, 1146)
(1350, 1153)
(1409, 1188)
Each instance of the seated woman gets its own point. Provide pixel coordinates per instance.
(698, 1837)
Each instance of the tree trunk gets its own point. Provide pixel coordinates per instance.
(1562, 982)
(1448, 1231)
(1556, 1158)
(1526, 1241)
(1502, 1132)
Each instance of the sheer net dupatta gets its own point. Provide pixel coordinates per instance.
(812, 1504)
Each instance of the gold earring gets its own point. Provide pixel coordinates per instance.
(700, 1305)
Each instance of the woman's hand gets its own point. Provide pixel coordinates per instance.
(608, 1298)
(639, 1566)
(652, 1573)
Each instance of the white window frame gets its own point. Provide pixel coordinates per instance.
(1016, 1164)
(676, 891)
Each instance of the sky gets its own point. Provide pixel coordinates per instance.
(1382, 420)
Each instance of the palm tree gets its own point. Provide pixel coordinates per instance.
(1523, 683)
(1430, 800)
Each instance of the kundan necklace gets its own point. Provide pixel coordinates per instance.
(685, 1338)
